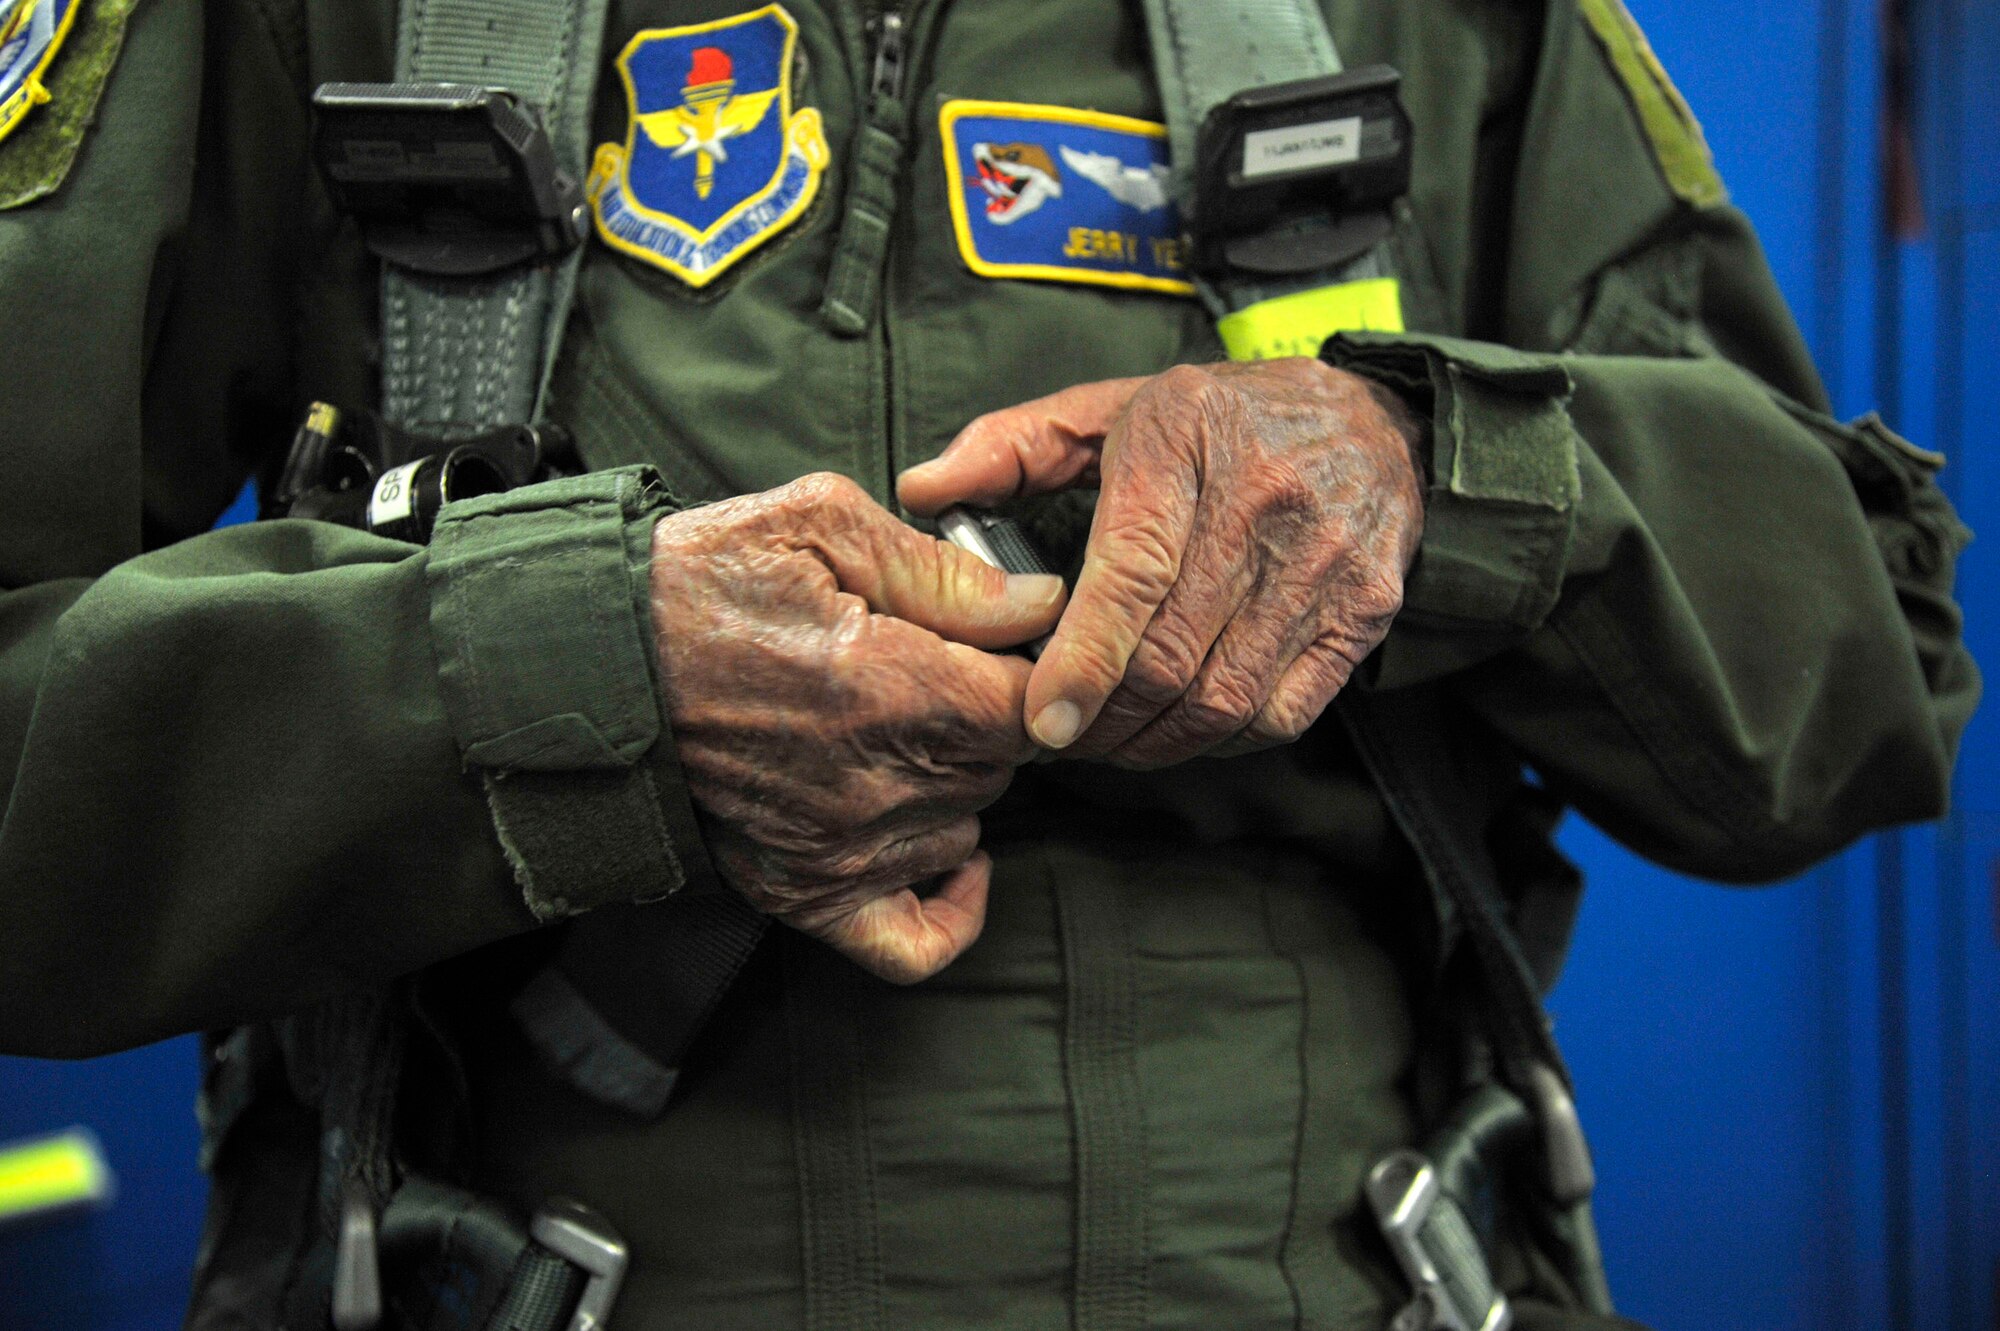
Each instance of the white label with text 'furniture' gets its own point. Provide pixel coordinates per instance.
(1300, 147)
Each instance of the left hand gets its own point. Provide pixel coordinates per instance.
(1253, 529)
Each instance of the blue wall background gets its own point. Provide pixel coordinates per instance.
(1795, 1092)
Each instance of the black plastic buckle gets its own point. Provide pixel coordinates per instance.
(1297, 178)
(447, 179)
(359, 470)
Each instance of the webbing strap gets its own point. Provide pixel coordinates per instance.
(1400, 736)
(1100, 1062)
(617, 1009)
(469, 354)
(843, 1256)
(1205, 52)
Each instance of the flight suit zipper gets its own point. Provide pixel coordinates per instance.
(854, 280)
(886, 45)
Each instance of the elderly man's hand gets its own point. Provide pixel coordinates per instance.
(838, 722)
(1254, 525)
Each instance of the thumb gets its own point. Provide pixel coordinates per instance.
(1044, 445)
(902, 572)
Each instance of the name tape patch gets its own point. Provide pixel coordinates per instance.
(1062, 195)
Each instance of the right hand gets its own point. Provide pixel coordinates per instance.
(838, 713)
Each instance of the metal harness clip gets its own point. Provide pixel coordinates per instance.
(1435, 1245)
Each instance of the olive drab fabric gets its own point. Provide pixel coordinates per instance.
(1711, 617)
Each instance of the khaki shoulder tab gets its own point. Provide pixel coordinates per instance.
(55, 57)
(1670, 126)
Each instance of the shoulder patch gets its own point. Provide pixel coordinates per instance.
(1062, 195)
(715, 160)
(1669, 124)
(55, 56)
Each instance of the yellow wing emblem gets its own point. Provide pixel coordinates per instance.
(702, 126)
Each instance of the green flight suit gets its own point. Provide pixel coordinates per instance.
(245, 766)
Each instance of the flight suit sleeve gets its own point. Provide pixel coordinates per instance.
(251, 768)
(1715, 619)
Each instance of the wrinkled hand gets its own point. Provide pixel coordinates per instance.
(838, 723)
(1253, 528)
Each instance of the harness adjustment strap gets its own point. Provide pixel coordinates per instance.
(471, 353)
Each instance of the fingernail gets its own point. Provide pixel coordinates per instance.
(1056, 725)
(1033, 590)
(917, 470)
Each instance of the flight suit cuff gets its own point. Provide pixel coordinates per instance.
(541, 621)
(1502, 492)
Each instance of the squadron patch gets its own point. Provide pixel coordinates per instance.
(1062, 195)
(715, 160)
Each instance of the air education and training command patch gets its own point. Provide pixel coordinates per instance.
(1062, 195)
(715, 161)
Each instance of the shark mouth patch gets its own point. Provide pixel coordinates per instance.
(1062, 195)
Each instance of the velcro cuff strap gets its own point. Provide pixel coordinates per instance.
(544, 664)
(539, 621)
(1501, 507)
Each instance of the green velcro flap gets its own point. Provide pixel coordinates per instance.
(1505, 443)
(1502, 504)
(580, 840)
(42, 122)
(541, 651)
(1669, 124)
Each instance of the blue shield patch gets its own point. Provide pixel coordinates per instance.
(31, 32)
(1062, 195)
(715, 160)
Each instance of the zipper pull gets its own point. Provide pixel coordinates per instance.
(889, 50)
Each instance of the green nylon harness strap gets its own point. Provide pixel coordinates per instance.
(1100, 1064)
(1205, 52)
(472, 353)
(1403, 739)
(464, 355)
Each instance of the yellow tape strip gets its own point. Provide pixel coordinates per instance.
(1295, 325)
(50, 1173)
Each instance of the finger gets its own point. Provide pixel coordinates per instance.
(1144, 518)
(1231, 688)
(900, 571)
(1300, 697)
(1216, 584)
(904, 936)
(1038, 446)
